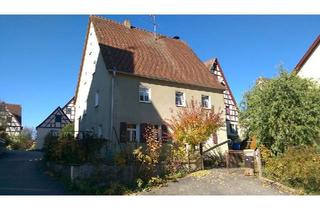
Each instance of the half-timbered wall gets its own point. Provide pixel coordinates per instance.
(54, 123)
(231, 108)
(69, 110)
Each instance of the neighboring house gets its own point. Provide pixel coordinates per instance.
(130, 78)
(309, 65)
(55, 122)
(11, 114)
(231, 108)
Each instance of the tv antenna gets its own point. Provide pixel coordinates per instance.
(154, 23)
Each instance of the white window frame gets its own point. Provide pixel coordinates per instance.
(183, 101)
(209, 102)
(96, 99)
(131, 130)
(141, 88)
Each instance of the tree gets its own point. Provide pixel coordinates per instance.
(282, 112)
(194, 124)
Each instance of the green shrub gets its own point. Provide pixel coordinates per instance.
(65, 149)
(299, 167)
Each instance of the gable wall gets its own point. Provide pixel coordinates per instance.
(94, 78)
(311, 69)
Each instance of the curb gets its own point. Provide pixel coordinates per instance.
(282, 187)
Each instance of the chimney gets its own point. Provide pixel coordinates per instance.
(127, 23)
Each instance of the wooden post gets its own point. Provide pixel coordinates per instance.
(259, 164)
(227, 159)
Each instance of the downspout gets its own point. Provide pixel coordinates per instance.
(112, 102)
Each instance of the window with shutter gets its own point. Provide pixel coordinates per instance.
(215, 138)
(123, 132)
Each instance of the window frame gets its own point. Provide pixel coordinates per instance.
(131, 130)
(209, 102)
(148, 91)
(184, 99)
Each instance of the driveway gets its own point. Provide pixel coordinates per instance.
(21, 174)
(217, 182)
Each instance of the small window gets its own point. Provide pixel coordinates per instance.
(233, 128)
(96, 99)
(132, 132)
(180, 99)
(205, 101)
(68, 110)
(58, 119)
(144, 94)
(9, 119)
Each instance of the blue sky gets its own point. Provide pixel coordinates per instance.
(40, 55)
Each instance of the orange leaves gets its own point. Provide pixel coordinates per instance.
(194, 124)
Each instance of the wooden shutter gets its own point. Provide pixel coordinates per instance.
(143, 127)
(165, 134)
(215, 138)
(123, 132)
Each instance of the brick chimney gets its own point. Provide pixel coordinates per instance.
(127, 23)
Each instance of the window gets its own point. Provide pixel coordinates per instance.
(68, 110)
(58, 119)
(96, 99)
(180, 99)
(9, 119)
(233, 128)
(144, 94)
(205, 101)
(132, 132)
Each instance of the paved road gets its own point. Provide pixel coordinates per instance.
(21, 174)
(217, 182)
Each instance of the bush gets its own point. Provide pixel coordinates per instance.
(282, 112)
(299, 167)
(64, 148)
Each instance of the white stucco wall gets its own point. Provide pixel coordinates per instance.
(311, 69)
(41, 134)
(89, 66)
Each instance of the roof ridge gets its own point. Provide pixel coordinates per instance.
(137, 28)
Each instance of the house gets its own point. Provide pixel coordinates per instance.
(11, 115)
(55, 122)
(231, 108)
(130, 78)
(309, 65)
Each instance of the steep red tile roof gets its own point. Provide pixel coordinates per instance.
(307, 55)
(15, 109)
(138, 52)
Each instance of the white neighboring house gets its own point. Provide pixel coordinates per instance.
(309, 65)
(55, 122)
(12, 115)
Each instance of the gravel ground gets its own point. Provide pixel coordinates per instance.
(217, 182)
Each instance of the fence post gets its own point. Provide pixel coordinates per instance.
(259, 164)
(227, 159)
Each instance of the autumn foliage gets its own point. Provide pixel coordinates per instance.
(194, 124)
